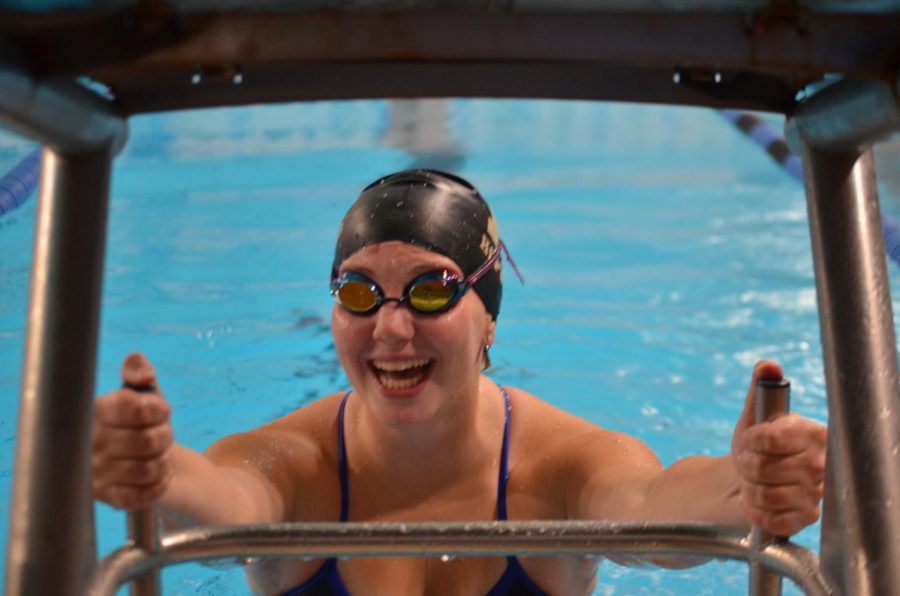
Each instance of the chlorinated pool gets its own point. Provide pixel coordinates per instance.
(663, 254)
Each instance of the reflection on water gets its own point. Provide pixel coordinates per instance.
(422, 129)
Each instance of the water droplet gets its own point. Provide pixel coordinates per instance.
(649, 411)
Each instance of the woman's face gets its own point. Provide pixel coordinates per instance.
(409, 366)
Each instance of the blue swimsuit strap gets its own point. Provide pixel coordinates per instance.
(504, 460)
(342, 462)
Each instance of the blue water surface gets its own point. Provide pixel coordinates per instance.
(663, 254)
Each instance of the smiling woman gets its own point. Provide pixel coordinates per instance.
(423, 435)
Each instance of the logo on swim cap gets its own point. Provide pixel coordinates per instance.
(490, 241)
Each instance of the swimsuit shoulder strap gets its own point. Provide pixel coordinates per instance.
(504, 460)
(342, 461)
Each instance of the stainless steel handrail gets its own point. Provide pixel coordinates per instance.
(772, 397)
(320, 540)
(848, 115)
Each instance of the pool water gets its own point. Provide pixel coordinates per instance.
(663, 254)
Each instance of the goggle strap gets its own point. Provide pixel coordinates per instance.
(478, 273)
(511, 262)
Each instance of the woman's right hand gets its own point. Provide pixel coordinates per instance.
(132, 442)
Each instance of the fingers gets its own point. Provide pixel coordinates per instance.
(129, 498)
(781, 523)
(788, 435)
(134, 473)
(132, 440)
(138, 443)
(764, 369)
(790, 449)
(130, 482)
(131, 409)
(781, 466)
(137, 371)
(785, 507)
(781, 498)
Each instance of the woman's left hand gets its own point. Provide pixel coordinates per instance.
(780, 464)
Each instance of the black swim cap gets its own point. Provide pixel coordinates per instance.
(431, 209)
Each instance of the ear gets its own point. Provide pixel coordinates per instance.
(490, 329)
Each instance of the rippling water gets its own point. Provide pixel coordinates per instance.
(663, 255)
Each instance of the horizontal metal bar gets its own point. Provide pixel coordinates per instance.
(837, 6)
(846, 116)
(167, 59)
(322, 540)
(715, 39)
(60, 115)
(360, 80)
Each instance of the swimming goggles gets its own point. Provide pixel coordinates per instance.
(432, 293)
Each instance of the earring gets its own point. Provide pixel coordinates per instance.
(485, 357)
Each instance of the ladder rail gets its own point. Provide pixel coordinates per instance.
(364, 539)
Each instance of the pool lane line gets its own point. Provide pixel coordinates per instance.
(19, 183)
(772, 141)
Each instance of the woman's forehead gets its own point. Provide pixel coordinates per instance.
(395, 255)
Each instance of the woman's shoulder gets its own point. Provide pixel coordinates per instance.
(314, 416)
(531, 411)
(294, 453)
(563, 434)
(306, 436)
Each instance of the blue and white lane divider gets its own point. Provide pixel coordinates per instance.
(19, 183)
(774, 144)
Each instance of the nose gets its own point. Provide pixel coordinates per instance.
(393, 324)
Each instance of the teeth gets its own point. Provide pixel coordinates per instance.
(400, 366)
(390, 383)
(401, 374)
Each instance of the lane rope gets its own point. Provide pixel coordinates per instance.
(18, 185)
(773, 143)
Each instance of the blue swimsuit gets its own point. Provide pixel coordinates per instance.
(327, 580)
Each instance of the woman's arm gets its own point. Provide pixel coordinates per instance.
(136, 461)
(773, 477)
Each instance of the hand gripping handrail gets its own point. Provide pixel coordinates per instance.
(357, 539)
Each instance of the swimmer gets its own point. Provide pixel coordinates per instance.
(423, 435)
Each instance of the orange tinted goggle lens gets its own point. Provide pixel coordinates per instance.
(431, 295)
(357, 296)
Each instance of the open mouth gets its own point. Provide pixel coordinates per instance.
(402, 374)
